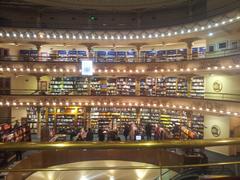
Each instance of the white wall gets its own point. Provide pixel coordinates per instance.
(224, 124)
(18, 113)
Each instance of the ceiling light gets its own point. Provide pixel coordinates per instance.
(202, 28)
(137, 37)
(86, 37)
(74, 37)
(162, 35)
(210, 34)
(209, 26)
(189, 30)
(195, 29)
(156, 35)
(143, 36)
(149, 36)
(182, 31)
(216, 25)
(99, 37)
(175, 32)
(224, 22)
(230, 20)
(169, 34)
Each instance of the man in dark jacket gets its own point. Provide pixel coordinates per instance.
(126, 131)
(101, 136)
(148, 130)
(89, 135)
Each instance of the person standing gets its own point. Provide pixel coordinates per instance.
(45, 134)
(101, 136)
(126, 131)
(132, 132)
(89, 136)
(148, 130)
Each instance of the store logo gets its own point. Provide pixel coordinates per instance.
(216, 131)
(217, 86)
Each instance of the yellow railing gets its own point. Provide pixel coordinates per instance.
(119, 145)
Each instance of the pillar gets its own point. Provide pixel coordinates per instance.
(137, 87)
(138, 47)
(89, 48)
(38, 47)
(189, 42)
(87, 117)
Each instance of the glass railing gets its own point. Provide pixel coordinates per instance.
(166, 159)
(150, 59)
(177, 94)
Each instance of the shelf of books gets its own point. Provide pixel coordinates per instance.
(182, 87)
(148, 87)
(151, 116)
(197, 125)
(197, 87)
(82, 86)
(126, 86)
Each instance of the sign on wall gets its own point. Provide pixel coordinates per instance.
(87, 68)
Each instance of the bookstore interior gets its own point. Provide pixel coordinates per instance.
(181, 81)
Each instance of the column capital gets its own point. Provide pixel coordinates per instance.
(138, 45)
(38, 44)
(189, 41)
(89, 45)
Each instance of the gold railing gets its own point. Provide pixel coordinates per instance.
(119, 145)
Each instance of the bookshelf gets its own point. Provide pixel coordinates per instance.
(197, 87)
(148, 87)
(126, 86)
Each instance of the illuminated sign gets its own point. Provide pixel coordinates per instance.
(87, 68)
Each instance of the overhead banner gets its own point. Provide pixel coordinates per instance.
(87, 68)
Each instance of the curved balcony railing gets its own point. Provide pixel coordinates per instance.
(156, 59)
(178, 94)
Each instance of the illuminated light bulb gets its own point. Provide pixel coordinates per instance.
(60, 103)
(156, 35)
(209, 26)
(112, 70)
(54, 70)
(228, 112)
(187, 107)
(47, 103)
(39, 103)
(112, 37)
(137, 37)
(223, 67)
(224, 22)
(93, 37)
(118, 70)
(237, 66)
(216, 24)
(195, 29)
(235, 114)
(143, 36)
(188, 69)
(54, 104)
(92, 103)
(124, 104)
(195, 69)
(209, 68)
(21, 35)
(180, 107)
(74, 70)
(34, 69)
(167, 105)
(67, 36)
(14, 104)
(99, 70)
(111, 104)
(148, 104)
(61, 36)
(154, 105)
(221, 111)
(124, 70)
(67, 103)
(79, 103)
(131, 37)
(28, 36)
(7, 103)
(74, 37)
(8, 69)
(230, 67)
(14, 69)
(41, 70)
(214, 110)
(130, 104)
(54, 36)
(162, 70)
(20, 103)
(87, 37)
(73, 103)
(193, 108)
(67, 70)
(117, 103)
(34, 104)
(162, 35)
(210, 34)
(168, 70)
(130, 71)
(1, 69)
(141, 104)
(215, 67)
(149, 36)
(238, 17)
(175, 32)
(202, 28)
(137, 71)
(48, 70)
(1, 103)
(155, 70)
(105, 70)
(169, 34)
(99, 37)
(173, 106)
(200, 109)
(182, 31)
(207, 109)
(189, 30)
(136, 104)
(181, 69)
(7, 34)
(143, 70)
(1, 34)
(80, 36)
(34, 35)
(118, 37)
(230, 20)
(105, 103)
(21, 69)
(61, 70)
(124, 37)
(161, 105)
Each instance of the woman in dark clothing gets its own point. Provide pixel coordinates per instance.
(101, 136)
(89, 135)
(126, 131)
